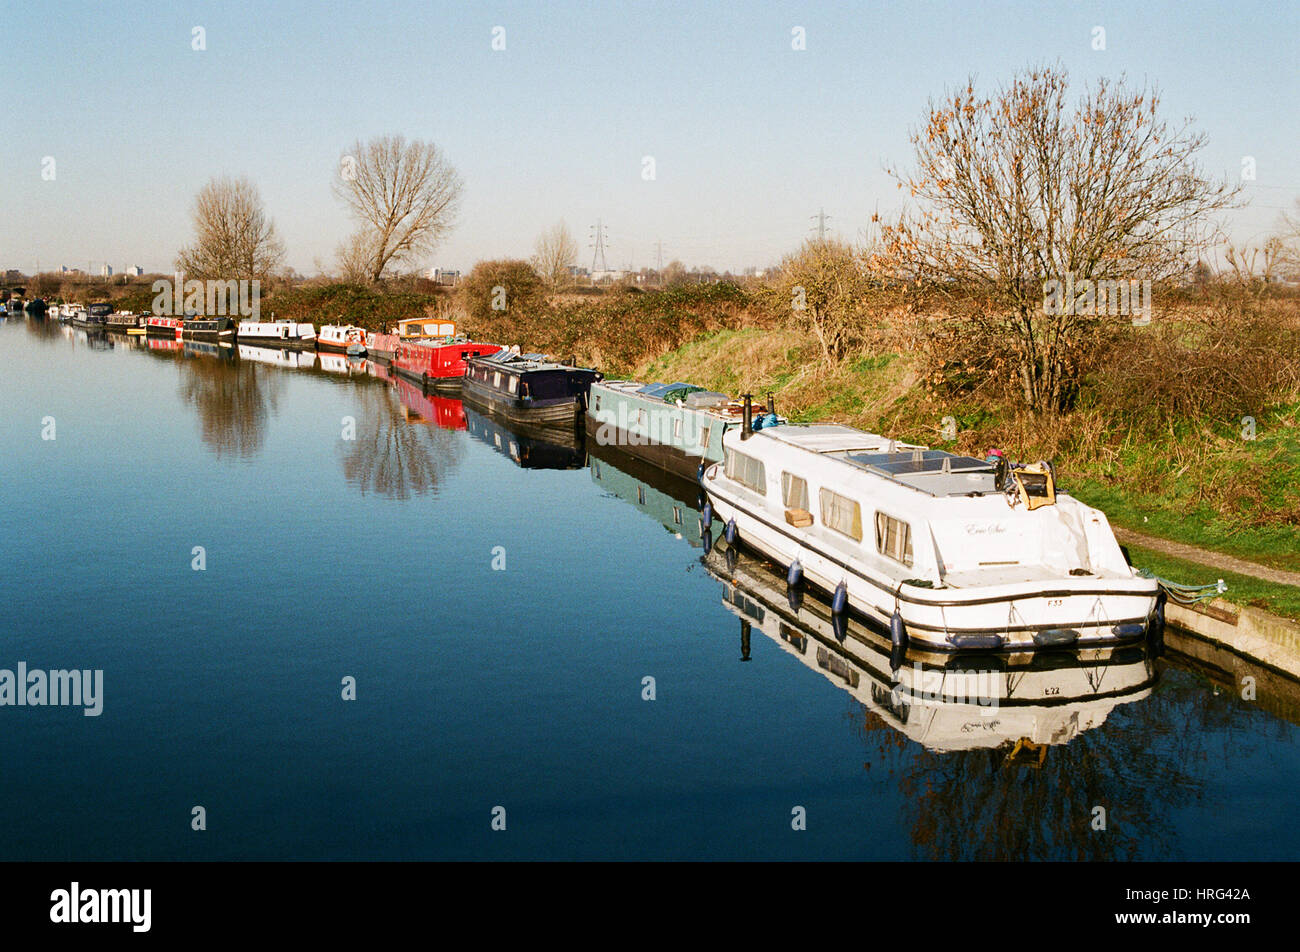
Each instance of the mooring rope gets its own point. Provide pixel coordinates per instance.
(1186, 594)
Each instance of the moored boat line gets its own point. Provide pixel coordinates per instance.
(950, 552)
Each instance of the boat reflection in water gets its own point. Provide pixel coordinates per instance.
(404, 447)
(446, 413)
(341, 364)
(667, 499)
(1018, 705)
(530, 446)
(288, 359)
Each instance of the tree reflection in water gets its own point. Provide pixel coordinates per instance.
(393, 457)
(1149, 759)
(234, 399)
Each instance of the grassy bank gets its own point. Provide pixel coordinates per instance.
(1175, 465)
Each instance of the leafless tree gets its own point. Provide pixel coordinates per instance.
(404, 195)
(234, 237)
(1020, 188)
(1288, 236)
(355, 257)
(556, 252)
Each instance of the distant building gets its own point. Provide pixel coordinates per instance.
(444, 276)
(598, 277)
(106, 271)
(13, 275)
(135, 271)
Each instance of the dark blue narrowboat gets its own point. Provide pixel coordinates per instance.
(217, 330)
(94, 317)
(528, 388)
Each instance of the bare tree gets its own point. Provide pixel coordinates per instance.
(234, 237)
(1018, 189)
(404, 195)
(556, 252)
(354, 258)
(1288, 237)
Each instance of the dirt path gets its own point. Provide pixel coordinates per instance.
(1217, 560)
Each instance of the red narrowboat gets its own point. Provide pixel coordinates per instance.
(436, 362)
(164, 328)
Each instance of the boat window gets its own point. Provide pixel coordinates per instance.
(704, 435)
(747, 471)
(842, 514)
(640, 494)
(641, 417)
(794, 492)
(496, 379)
(597, 403)
(677, 428)
(514, 384)
(677, 515)
(894, 538)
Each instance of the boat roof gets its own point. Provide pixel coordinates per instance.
(508, 360)
(936, 472)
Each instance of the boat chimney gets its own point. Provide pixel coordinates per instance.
(747, 420)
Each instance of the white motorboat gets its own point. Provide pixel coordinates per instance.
(342, 339)
(952, 552)
(287, 335)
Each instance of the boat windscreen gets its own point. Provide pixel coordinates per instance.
(919, 461)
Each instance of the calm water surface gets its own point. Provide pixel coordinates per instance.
(372, 558)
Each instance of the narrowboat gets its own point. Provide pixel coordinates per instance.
(419, 406)
(1020, 705)
(212, 330)
(675, 426)
(35, 307)
(434, 354)
(123, 322)
(94, 317)
(381, 346)
(530, 446)
(528, 387)
(285, 335)
(342, 339)
(954, 553)
(163, 328)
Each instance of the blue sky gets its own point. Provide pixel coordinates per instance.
(749, 137)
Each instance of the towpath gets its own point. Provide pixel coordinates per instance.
(1217, 560)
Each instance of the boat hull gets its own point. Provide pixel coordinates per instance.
(278, 343)
(562, 411)
(671, 459)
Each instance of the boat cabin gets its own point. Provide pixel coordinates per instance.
(423, 328)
